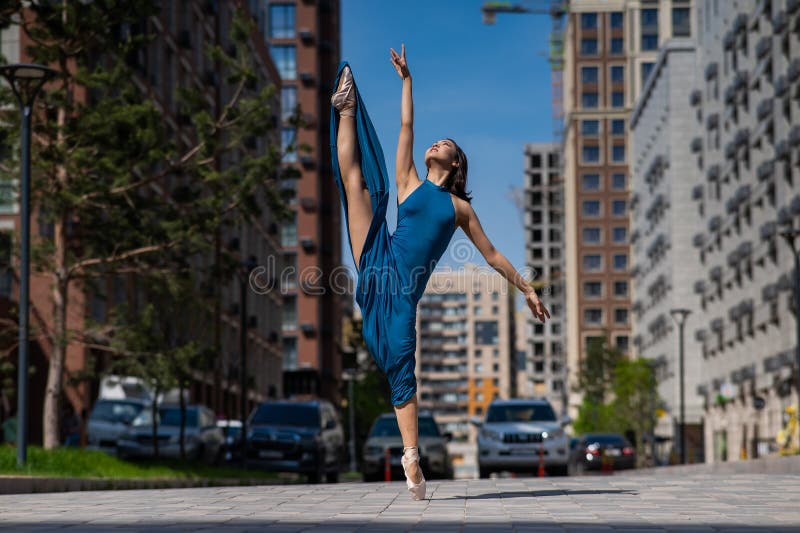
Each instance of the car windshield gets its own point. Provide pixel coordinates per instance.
(386, 426)
(617, 440)
(286, 415)
(521, 413)
(120, 412)
(171, 416)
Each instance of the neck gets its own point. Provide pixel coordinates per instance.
(437, 175)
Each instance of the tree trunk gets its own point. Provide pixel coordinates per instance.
(55, 373)
(182, 435)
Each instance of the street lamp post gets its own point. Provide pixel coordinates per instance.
(679, 315)
(26, 81)
(246, 268)
(790, 235)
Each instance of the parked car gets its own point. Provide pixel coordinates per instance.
(109, 419)
(203, 440)
(434, 459)
(513, 432)
(232, 447)
(297, 436)
(591, 448)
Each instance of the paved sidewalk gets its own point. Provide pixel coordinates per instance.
(744, 502)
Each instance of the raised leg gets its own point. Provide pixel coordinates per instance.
(407, 421)
(359, 205)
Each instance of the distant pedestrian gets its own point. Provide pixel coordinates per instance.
(394, 269)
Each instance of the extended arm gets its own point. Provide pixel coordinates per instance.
(472, 227)
(404, 161)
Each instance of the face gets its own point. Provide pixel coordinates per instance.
(442, 152)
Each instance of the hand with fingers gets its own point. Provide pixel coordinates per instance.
(537, 307)
(399, 62)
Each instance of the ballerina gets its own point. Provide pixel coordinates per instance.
(394, 269)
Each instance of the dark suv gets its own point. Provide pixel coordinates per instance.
(297, 436)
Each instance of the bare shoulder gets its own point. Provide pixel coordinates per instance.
(463, 210)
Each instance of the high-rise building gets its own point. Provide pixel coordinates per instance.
(465, 345)
(744, 139)
(303, 38)
(543, 370)
(610, 48)
(663, 222)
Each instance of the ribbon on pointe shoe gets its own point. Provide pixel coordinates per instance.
(411, 455)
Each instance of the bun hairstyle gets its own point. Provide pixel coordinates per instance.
(456, 181)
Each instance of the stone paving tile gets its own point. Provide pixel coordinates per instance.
(687, 504)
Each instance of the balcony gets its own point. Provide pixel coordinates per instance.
(695, 98)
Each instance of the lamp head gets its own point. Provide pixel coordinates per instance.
(26, 80)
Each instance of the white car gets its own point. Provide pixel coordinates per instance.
(514, 434)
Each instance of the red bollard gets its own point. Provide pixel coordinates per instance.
(541, 472)
(387, 465)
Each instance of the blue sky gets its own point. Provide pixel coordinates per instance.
(487, 87)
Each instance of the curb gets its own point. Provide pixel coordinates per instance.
(768, 465)
(32, 484)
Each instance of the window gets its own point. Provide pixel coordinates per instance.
(622, 343)
(591, 154)
(486, 332)
(536, 160)
(618, 181)
(495, 309)
(617, 99)
(592, 289)
(281, 21)
(649, 42)
(289, 313)
(618, 126)
(588, 21)
(593, 316)
(618, 208)
(589, 47)
(621, 315)
(619, 235)
(591, 182)
(289, 231)
(590, 127)
(616, 19)
(618, 153)
(290, 353)
(649, 25)
(620, 261)
(591, 208)
(477, 310)
(621, 289)
(590, 74)
(647, 68)
(591, 235)
(287, 145)
(589, 100)
(288, 101)
(284, 56)
(617, 46)
(592, 262)
(681, 22)
(617, 74)
(478, 368)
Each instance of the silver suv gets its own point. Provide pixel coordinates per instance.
(513, 433)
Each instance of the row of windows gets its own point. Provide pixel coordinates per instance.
(593, 182)
(590, 154)
(593, 235)
(591, 74)
(589, 20)
(591, 99)
(648, 18)
(594, 289)
(594, 262)
(590, 47)
(593, 208)
(591, 128)
(594, 316)
(620, 341)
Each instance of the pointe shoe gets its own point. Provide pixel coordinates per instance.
(344, 99)
(417, 490)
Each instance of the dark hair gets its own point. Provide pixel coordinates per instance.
(456, 180)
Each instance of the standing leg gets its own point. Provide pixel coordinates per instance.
(407, 421)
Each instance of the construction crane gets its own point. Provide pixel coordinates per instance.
(557, 9)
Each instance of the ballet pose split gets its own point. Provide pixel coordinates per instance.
(394, 269)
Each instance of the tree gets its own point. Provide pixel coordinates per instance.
(595, 383)
(635, 399)
(119, 190)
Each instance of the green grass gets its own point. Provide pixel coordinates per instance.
(75, 462)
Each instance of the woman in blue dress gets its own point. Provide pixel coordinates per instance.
(394, 269)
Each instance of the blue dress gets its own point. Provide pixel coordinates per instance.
(394, 269)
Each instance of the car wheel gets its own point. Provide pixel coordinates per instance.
(484, 472)
(316, 477)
